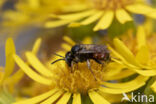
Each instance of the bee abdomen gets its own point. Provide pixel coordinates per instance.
(100, 56)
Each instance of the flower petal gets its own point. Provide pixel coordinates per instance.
(116, 54)
(36, 45)
(154, 86)
(53, 24)
(36, 64)
(151, 72)
(97, 98)
(123, 16)
(141, 37)
(145, 72)
(76, 16)
(64, 99)
(10, 63)
(119, 91)
(124, 51)
(38, 99)
(69, 40)
(143, 55)
(15, 78)
(30, 72)
(152, 14)
(105, 21)
(132, 83)
(92, 18)
(66, 46)
(53, 98)
(112, 98)
(122, 74)
(139, 8)
(34, 4)
(74, 24)
(74, 8)
(87, 40)
(76, 98)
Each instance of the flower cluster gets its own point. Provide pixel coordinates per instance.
(63, 84)
(103, 11)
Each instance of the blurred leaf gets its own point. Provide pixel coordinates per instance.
(70, 100)
(85, 99)
(79, 33)
(154, 3)
(117, 28)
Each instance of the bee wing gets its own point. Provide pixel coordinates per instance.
(86, 51)
(93, 49)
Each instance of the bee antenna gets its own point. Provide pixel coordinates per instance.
(57, 61)
(59, 55)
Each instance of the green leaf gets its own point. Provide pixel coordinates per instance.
(148, 91)
(117, 29)
(79, 33)
(85, 99)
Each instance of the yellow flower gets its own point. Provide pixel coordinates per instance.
(6, 73)
(66, 85)
(103, 11)
(9, 65)
(143, 62)
(29, 13)
(7, 78)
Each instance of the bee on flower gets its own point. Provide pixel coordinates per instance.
(80, 85)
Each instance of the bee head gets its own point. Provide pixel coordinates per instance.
(69, 58)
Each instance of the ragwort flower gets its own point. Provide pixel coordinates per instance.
(103, 11)
(143, 62)
(7, 78)
(10, 63)
(68, 86)
(29, 13)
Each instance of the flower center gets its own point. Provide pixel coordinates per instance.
(81, 79)
(111, 4)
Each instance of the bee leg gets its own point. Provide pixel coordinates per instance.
(77, 66)
(102, 65)
(76, 63)
(72, 66)
(89, 67)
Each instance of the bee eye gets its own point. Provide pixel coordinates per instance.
(75, 48)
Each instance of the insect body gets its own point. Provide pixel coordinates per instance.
(85, 52)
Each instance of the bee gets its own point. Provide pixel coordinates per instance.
(84, 53)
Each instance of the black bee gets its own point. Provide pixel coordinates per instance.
(85, 52)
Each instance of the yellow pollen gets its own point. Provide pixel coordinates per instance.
(111, 4)
(81, 79)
